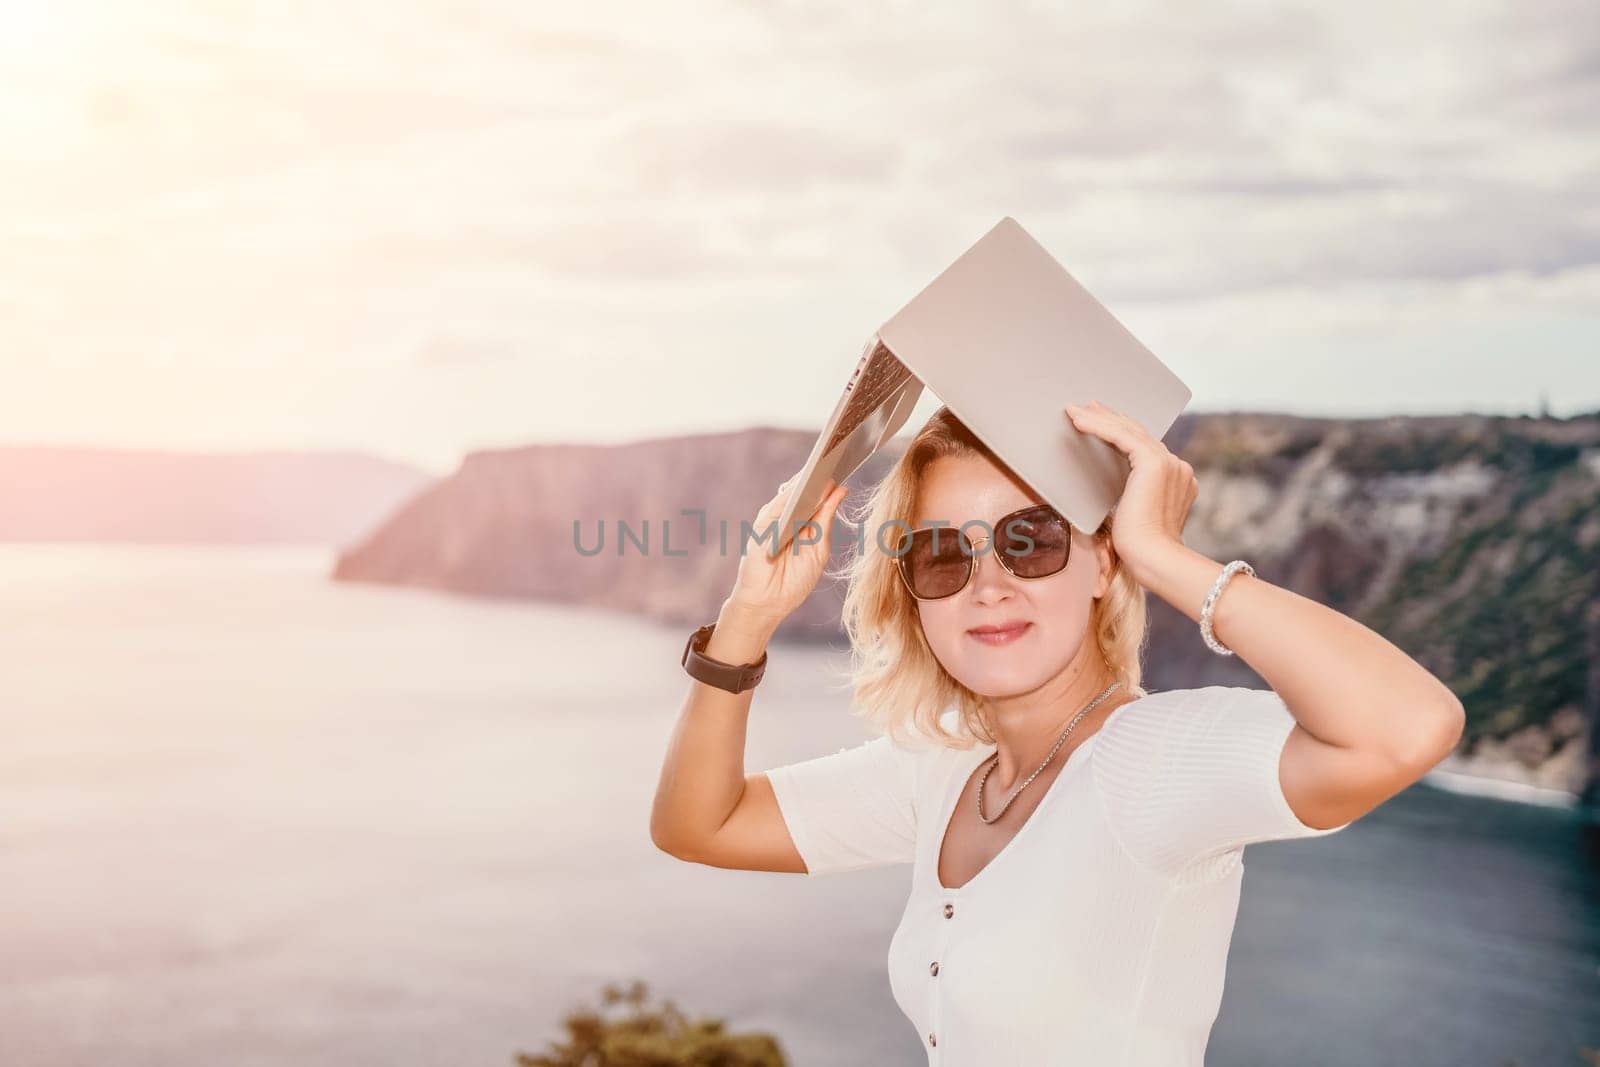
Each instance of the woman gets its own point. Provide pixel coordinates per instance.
(1075, 840)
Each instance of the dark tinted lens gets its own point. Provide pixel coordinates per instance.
(936, 564)
(1034, 543)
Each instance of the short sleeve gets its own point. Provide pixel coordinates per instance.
(1193, 773)
(853, 808)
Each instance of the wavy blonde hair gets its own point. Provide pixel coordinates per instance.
(897, 683)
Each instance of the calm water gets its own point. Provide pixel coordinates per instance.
(248, 816)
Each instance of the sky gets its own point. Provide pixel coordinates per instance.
(423, 229)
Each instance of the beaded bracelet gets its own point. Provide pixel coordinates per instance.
(1209, 606)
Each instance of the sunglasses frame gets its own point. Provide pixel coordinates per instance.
(972, 557)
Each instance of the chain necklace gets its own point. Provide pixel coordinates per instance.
(995, 759)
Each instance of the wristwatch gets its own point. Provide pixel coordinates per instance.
(734, 679)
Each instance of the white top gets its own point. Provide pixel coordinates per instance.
(1099, 934)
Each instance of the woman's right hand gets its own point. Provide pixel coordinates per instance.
(770, 587)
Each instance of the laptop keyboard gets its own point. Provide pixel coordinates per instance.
(881, 377)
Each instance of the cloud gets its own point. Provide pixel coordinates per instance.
(459, 190)
(771, 157)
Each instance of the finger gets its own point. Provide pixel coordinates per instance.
(770, 511)
(827, 498)
(1098, 414)
(825, 515)
(1119, 430)
(821, 518)
(1124, 419)
(787, 488)
(784, 488)
(822, 514)
(831, 503)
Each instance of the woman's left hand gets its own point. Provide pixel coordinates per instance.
(1160, 489)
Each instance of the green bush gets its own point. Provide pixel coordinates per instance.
(625, 1032)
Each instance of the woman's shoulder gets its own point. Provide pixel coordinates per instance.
(1191, 774)
(1159, 721)
(1153, 706)
(1159, 717)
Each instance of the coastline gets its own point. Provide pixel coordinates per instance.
(1548, 774)
(1483, 785)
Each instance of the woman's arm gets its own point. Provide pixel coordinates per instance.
(703, 787)
(706, 808)
(1371, 720)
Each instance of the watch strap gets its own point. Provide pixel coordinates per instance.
(735, 678)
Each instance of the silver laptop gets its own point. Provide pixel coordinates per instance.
(1006, 339)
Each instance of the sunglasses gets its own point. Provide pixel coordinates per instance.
(936, 562)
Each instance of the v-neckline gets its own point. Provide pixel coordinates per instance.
(954, 796)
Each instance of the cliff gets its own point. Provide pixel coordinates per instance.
(1472, 542)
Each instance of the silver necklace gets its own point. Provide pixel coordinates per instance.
(995, 759)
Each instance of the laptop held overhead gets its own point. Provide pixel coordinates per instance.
(1006, 339)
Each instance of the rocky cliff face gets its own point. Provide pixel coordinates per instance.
(1472, 542)
(511, 523)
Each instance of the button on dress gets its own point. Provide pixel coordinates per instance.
(1099, 933)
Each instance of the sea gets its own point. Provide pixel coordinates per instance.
(252, 816)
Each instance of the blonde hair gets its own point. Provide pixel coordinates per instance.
(897, 683)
